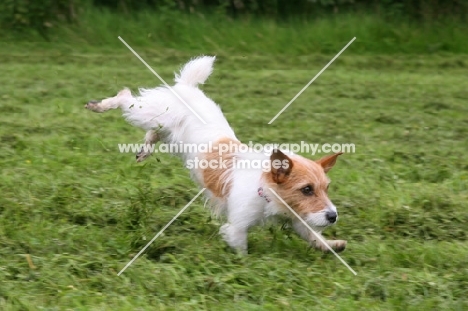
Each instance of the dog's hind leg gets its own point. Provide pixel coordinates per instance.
(110, 103)
(151, 138)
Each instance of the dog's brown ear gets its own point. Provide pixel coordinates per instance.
(328, 162)
(281, 166)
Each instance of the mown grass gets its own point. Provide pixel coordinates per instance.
(81, 210)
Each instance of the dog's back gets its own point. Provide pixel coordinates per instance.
(179, 112)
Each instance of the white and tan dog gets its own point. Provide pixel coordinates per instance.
(242, 195)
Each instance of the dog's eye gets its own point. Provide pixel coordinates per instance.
(308, 190)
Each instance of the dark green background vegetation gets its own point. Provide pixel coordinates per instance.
(386, 26)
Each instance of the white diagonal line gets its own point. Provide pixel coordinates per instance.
(311, 81)
(162, 80)
(160, 232)
(318, 236)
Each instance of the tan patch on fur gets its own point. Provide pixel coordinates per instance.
(304, 172)
(217, 180)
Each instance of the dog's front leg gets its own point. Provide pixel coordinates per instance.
(316, 242)
(151, 138)
(235, 237)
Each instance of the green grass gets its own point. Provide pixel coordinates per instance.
(82, 210)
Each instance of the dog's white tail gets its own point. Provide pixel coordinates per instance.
(196, 71)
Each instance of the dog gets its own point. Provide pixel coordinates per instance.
(177, 114)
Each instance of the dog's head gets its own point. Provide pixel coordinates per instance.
(303, 185)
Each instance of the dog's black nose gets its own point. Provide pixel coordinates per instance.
(331, 216)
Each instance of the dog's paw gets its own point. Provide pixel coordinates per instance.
(93, 105)
(336, 245)
(142, 155)
(235, 238)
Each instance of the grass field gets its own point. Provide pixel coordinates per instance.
(80, 210)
